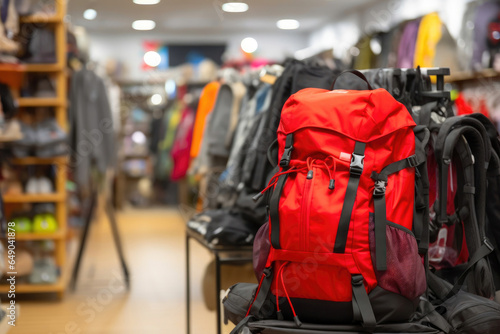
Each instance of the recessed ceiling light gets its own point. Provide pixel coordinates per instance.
(90, 14)
(249, 45)
(235, 7)
(152, 58)
(143, 25)
(288, 24)
(156, 99)
(146, 2)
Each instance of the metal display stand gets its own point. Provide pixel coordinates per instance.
(116, 238)
(223, 256)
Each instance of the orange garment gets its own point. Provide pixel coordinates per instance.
(205, 106)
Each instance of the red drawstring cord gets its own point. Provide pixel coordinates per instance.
(256, 293)
(277, 287)
(273, 181)
(286, 292)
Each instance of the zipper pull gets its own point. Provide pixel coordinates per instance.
(331, 186)
(310, 174)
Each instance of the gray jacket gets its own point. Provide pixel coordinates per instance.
(92, 139)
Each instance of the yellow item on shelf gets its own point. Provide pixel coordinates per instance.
(429, 34)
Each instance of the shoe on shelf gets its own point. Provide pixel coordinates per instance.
(10, 131)
(44, 272)
(39, 185)
(44, 223)
(23, 147)
(23, 224)
(51, 140)
(32, 186)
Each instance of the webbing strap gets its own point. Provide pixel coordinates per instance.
(356, 169)
(379, 206)
(361, 303)
(262, 293)
(274, 211)
(483, 251)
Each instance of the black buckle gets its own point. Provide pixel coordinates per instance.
(357, 280)
(285, 158)
(379, 189)
(357, 164)
(412, 161)
(488, 244)
(267, 271)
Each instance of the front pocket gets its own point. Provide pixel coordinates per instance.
(405, 274)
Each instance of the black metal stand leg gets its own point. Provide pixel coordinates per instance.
(217, 291)
(118, 243)
(83, 241)
(188, 295)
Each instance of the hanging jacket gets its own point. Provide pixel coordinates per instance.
(205, 106)
(485, 13)
(429, 34)
(406, 49)
(164, 162)
(91, 126)
(182, 145)
(466, 37)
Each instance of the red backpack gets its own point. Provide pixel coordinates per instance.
(341, 212)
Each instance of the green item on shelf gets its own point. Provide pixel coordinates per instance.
(44, 223)
(22, 224)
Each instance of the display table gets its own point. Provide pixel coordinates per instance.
(223, 256)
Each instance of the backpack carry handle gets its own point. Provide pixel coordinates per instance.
(356, 73)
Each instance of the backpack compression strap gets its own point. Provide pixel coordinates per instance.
(355, 171)
(275, 197)
(380, 206)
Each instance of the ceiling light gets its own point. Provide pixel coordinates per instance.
(139, 137)
(143, 25)
(146, 2)
(152, 58)
(90, 14)
(288, 24)
(249, 45)
(235, 7)
(156, 99)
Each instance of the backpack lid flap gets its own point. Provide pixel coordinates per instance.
(361, 115)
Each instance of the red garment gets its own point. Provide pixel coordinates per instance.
(182, 145)
(465, 107)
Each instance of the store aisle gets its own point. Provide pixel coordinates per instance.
(154, 246)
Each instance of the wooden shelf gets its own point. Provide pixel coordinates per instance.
(43, 67)
(39, 236)
(59, 286)
(39, 102)
(34, 198)
(40, 161)
(41, 18)
(460, 77)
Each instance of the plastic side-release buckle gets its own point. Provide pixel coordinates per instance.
(285, 158)
(380, 187)
(357, 164)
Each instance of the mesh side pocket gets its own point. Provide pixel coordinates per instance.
(405, 274)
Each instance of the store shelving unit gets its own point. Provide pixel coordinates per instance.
(58, 103)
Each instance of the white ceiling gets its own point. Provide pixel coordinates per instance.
(205, 16)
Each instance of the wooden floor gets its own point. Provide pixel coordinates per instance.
(154, 247)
